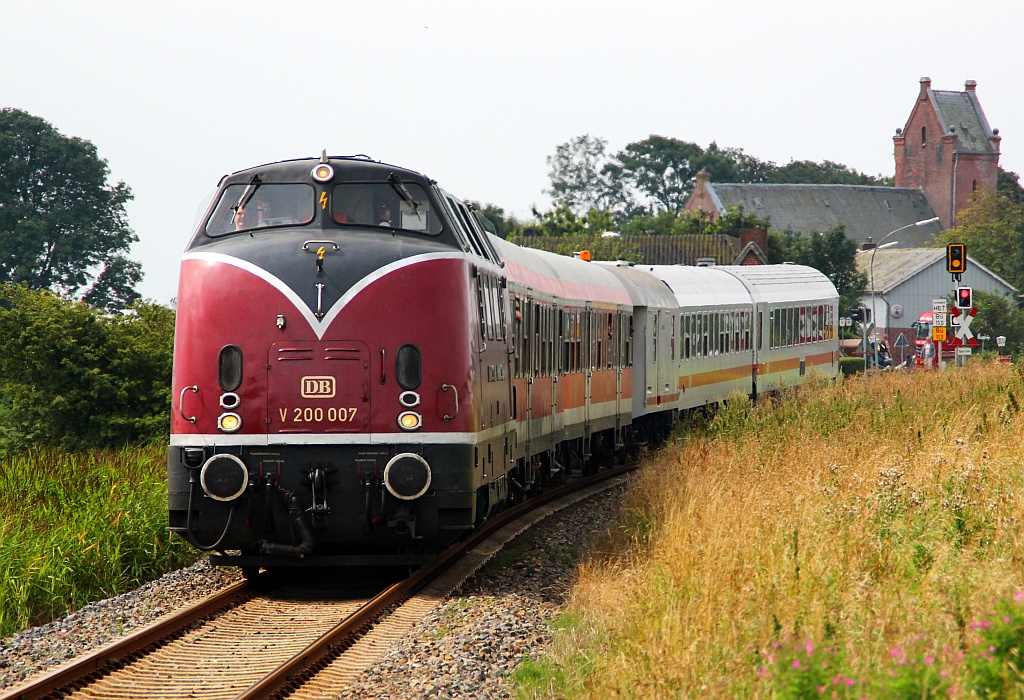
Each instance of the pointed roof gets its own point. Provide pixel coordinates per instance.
(867, 212)
(894, 266)
(960, 113)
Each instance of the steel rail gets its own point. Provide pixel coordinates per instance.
(100, 660)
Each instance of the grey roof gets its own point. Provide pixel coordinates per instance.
(867, 211)
(894, 266)
(962, 111)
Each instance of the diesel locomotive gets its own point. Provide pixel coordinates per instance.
(362, 373)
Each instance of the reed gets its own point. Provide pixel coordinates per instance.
(858, 538)
(79, 527)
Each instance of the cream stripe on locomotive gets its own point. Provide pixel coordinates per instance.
(319, 327)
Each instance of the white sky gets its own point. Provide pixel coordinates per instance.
(478, 94)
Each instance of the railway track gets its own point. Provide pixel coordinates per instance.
(269, 638)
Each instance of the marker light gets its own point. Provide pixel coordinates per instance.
(229, 422)
(323, 172)
(409, 420)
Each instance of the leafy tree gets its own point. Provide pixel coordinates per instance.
(992, 228)
(807, 172)
(1009, 185)
(62, 227)
(73, 377)
(579, 178)
(659, 170)
(493, 219)
(831, 253)
(997, 316)
(693, 222)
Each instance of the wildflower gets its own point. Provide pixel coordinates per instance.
(796, 663)
(928, 660)
(849, 682)
(809, 647)
(762, 672)
(1018, 596)
(1006, 619)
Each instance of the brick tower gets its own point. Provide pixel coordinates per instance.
(947, 149)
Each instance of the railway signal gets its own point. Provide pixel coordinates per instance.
(964, 298)
(956, 259)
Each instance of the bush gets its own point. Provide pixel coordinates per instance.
(76, 378)
(849, 366)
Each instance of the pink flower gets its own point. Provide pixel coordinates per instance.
(1006, 619)
(928, 660)
(1018, 596)
(849, 682)
(796, 663)
(809, 647)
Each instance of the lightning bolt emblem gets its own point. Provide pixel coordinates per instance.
(320, 253)
(323, 200)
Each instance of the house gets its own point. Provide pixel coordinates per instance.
(902, 282)
(945, 151)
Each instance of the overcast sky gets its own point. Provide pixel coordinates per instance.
(477, 94)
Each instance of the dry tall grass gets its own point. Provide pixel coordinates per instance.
(876, 517)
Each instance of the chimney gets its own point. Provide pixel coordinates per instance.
(757, 236)
(970, 85)
(926, 85)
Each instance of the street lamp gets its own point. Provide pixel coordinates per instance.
(874, 315)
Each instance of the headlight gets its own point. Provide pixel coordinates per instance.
(229, 422)
(409, 420)
(323, 172)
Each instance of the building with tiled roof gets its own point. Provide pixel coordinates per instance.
(947, 149)
(869, 213)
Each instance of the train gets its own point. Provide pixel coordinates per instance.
(363, 373)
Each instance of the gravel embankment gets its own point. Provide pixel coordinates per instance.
(466, 648)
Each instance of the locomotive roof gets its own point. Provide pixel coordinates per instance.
(346, 167)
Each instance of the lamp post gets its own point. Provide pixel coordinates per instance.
(923, 222)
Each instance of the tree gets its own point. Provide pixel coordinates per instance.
(578, 175)
(659, 170)
(999, 316)
(493, 219)
(807, 172)
(992, 228)
(831, 253)
(62, 226)
(1009, 185)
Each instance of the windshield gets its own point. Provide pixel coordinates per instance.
(395, 204)
(924, 330)
(256, 205)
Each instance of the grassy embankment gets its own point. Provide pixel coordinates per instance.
(857, 539)
(79, 527)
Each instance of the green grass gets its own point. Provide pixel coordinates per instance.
(80, 527)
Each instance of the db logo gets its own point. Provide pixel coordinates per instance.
(317, 387)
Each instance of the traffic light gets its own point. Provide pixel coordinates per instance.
(963, 298)
(956, 258)
(861, 314)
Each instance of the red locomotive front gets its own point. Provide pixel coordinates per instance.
(324, 378)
